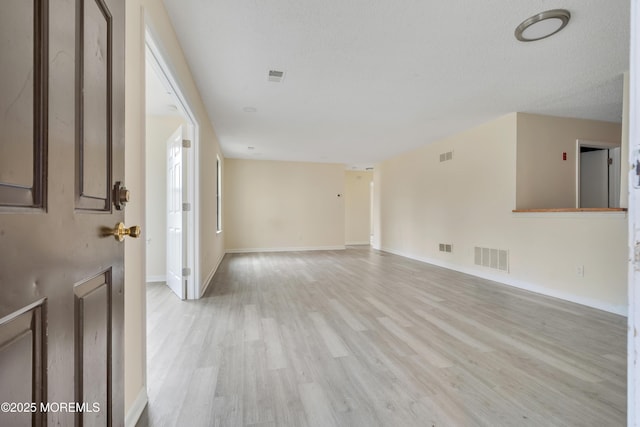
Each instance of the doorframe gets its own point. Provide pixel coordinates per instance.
(591, 144)
(633, 319)
(192, 133)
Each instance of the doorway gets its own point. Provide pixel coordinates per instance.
(170, 184)
(597, 174)
(357, 207)
(371, 211)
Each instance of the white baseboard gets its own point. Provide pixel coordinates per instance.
(293, 249)
(207, 281)
(133, 415)
(362, 243)
(504, 279)
(156, 279)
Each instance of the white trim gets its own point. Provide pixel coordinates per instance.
(204, 286)
(505, 279)
(360, 243)
(299, 249)
(133, 415)
(633, 325)
(192, 158)
(156, 279)
(209, 278)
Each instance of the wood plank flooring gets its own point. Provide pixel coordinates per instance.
(365, 338)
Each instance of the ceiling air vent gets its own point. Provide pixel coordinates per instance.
(276, 76)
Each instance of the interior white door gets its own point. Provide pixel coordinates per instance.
(594, 179)
(175, 192)
(614, 177)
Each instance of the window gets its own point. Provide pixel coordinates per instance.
(218, 195)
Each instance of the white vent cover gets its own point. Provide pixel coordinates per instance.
(497, 259)
(446, 156)
(276, 76)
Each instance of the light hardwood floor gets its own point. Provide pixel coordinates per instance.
(365, 338)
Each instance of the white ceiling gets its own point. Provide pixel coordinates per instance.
(366, 80)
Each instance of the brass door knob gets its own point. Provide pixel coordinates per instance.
(120, 231)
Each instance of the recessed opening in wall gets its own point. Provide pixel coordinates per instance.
(171, 184)
(597, 174)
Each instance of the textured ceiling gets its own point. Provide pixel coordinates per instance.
(366, 80)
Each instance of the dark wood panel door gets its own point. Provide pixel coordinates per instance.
(61, 152)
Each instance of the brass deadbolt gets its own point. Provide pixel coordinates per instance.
(120, 196)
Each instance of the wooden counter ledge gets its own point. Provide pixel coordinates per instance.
(572, 210)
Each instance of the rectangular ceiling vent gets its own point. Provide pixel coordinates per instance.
(276, 76)
(446, 156)
(446, 247)
(498, 259)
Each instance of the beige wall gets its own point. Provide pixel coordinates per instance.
(468, 202)
(158, 131)
(211, 244)
(544, 180)
(357, 207)
(272, 205)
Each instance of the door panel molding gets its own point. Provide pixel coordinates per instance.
(93, 370)
(94, 80)
(23, 349)
(19, 194)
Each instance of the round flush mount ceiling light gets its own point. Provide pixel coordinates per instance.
(542, 25)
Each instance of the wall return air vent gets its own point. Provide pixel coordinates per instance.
(445, 247)
(446, 156)
(276, 76)
(497, 259)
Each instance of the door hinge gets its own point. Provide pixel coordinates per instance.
(186, 272)
(636, 165)
(186, 143)
(610, 161)
(186, 207)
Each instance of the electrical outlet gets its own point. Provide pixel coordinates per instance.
(580, 270)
